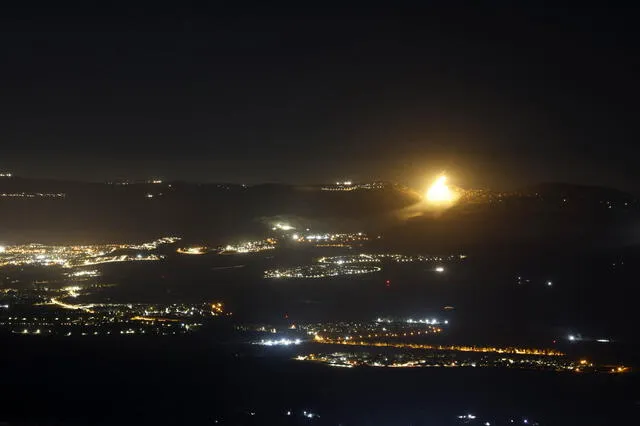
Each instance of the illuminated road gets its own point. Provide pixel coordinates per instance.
(86, 308)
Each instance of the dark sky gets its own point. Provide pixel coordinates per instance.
(495, 95)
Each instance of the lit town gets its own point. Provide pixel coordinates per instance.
(308, 294)
(366, 214)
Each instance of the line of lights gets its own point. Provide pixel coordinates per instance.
(460, 348)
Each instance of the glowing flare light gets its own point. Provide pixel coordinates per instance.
(439, 192)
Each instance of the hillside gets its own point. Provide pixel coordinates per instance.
(557, 214)
(46, 210)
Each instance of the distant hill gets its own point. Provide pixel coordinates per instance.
(50, 210)
(578, 192)
(548, 213)
(551, 215)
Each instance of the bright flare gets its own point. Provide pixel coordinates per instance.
(439, 192)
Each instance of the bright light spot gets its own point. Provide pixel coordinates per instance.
(549, 283)
(439, 269)
(281, 342)
(572, 337)
(283, 226)
(295, 237)
(2, 249)
(439, 192)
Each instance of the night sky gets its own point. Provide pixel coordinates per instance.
(496, 96)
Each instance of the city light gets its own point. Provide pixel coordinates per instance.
(115, 318)
(319, 338)
(72, 290)
(32, 195)
(332, 239)
(86, 273)
(280, 342)
(86, 308)
(192, 250)
(78, 255)
(250, 246)
(432, 359)
(351, 186)
(331, 266)
(320, 271)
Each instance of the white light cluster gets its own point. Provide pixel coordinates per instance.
(283, 227)
(320, 271)
(467, 416)
(33, 195)
(426, 321)
(280, 342)
(432, 321)
(350, 186)
(398, 258)
(250, 246)
(330, 239)
(85, 273)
